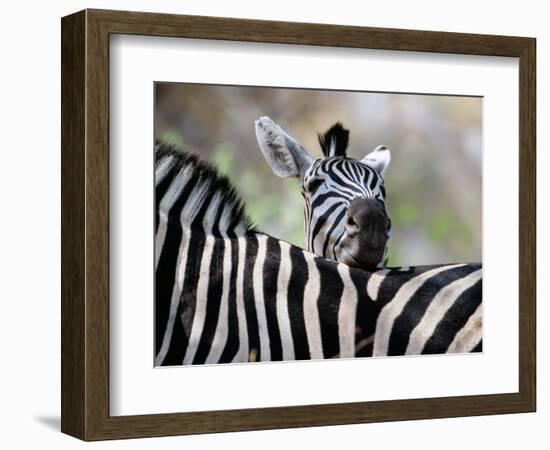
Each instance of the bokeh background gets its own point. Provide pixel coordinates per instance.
(433, 183)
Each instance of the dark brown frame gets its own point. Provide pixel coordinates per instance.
(85, 224)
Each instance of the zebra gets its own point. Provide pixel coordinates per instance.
(345, 214)
(226, 292)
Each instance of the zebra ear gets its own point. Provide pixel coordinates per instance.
(379, 159)
(284, 154)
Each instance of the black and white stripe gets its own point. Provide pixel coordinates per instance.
(328, 187)
(344, 199)
(227, 293)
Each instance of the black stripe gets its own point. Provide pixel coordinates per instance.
(188, 303)
(366, 312)
(345, 167)
(326, 163)
(365, 352)
(396, 278)
(198, 220)
(234, 223)
(178, 343)
(455, 318)
(178, 339)
(416, 306)
(341, 187)
(248, 295)
(322, 220)
(232, 344)
(329, 304)
(270, 273)
(336, 242)
(321, 199)
(216, 224)
(357, 177)
(214, 295)
(478, 348)
(335, 224)
(337, 179)
(296, 285)
(375, 179)
(166, 268)
(353, 168)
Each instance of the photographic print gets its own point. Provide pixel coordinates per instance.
(313, 224)
(297, 224)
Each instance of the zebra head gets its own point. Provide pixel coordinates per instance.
(345, 212)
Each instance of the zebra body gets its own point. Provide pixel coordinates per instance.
(228, 293)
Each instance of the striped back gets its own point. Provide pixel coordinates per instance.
(227, 293)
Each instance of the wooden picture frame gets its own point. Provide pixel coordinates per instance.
(85, 224)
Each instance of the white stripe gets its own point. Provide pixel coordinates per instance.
(332, 147)
(389, 313)
(240, 229)
(176, 297)
(165, 205)
(226, 218)
(322, 236)
(341, 189)
(221, 333)
(159, 239)
(440, 304)
(321, 209)
(258, 285)
(211, 212)
(469, 335)
(346, 313)
(200, 303)
(285, 269)
(370, 177)
(315, 215)
(194, 201)
(242, 353)
(311, 310)
(163, 168)
(374, 283)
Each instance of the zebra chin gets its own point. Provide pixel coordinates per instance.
(367, 258)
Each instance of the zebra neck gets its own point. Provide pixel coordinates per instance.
(192, 195)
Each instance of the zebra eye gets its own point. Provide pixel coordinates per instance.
(314, 184)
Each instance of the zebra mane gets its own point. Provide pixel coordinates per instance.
(335, 140)
(207, 199)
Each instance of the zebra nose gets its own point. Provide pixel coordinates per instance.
(366, 214)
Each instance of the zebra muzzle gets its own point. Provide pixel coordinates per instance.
(366, 237)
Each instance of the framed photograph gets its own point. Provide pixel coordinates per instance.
(271, 224)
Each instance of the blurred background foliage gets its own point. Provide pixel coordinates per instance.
(433, 183)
